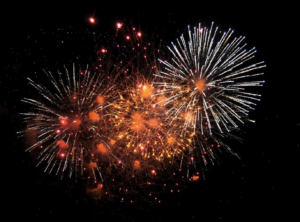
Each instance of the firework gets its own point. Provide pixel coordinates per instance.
(134, 124)
(73, 122)
(206, 84)
(144, 126)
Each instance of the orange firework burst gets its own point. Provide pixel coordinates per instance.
(144, 124)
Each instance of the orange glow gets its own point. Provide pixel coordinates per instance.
(62, 144)
(112, 142)
(94, 116)
(188, 115)
(171, 140)
(102, 148)
(147, 91)
(162, 100)
(195, 178)
(200, 84)
(120, 135)
(77, 122)
(63, 122)
(101, 100)
(136, 164)
(138, 121)
(153, 123)
(97, 192)
(92, 165)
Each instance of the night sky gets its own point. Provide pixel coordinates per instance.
(257, 187)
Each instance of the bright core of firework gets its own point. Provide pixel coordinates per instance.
(144, 125)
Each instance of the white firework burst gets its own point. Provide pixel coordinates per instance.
(207, 89)
(206, 80)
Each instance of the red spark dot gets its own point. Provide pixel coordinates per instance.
(127, 37)
(62, 154)
(153, 171)
(57, 131)
(119, 25)
(139, 34)
(63, 122)
(92, 20)
(103, 50)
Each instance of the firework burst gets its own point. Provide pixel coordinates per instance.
(145, 127)
(134, 128)
(206, 84)
(72, 122)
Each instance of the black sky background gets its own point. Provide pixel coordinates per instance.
(260, 186)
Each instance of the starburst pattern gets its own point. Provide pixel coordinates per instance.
(72, 121)
(206, 84)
